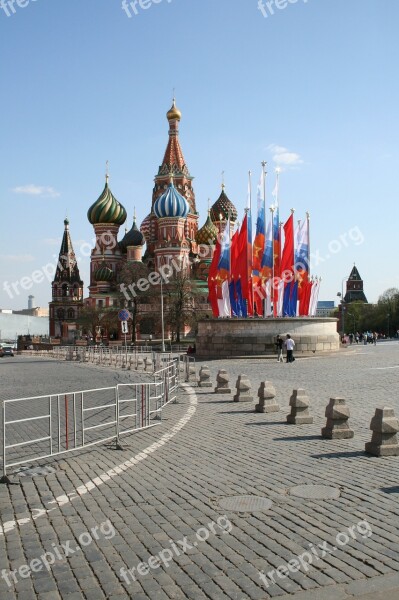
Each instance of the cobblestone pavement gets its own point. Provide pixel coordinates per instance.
(163, 493)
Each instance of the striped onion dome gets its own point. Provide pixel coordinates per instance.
(133, 237)
(171, 204)
(104, 273)
(208, 233)
(107, 209)
(223, 206)
(145, 227)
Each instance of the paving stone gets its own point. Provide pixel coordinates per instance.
(176, 490)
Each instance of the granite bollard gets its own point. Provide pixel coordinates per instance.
(222, 382)
(337, 426)
(205, 377)
(299, 403)
(384, 440)
(243, 387)
(267, 398)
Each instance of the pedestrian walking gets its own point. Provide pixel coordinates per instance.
(290, 345)
(279, 346)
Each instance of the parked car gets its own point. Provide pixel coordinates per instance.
(6, 351)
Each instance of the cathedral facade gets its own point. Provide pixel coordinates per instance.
(169, 233)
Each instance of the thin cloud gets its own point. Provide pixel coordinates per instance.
(283, 157)
(17, 257)
(36, 190)
(51, 241)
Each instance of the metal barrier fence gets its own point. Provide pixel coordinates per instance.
(60, 423)
(131, 358)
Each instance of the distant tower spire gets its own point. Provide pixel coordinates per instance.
(107, 171)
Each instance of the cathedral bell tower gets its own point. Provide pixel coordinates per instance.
(67, 292)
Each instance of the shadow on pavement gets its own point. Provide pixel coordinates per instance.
(391, 490)
(298, 438)
(342, 455)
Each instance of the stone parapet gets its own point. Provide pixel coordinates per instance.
(224, 338)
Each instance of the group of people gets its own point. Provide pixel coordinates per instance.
(367, 337)
(289, 345)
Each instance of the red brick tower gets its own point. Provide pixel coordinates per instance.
(174, 165)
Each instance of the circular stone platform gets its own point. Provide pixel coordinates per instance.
(315, 492)
(222, 338)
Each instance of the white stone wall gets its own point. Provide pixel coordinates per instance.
(240, 337)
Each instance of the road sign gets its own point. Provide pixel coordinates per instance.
(124, 314)
(125, 328)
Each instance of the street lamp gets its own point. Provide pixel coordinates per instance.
(388, 315)
(162, 320)
(341, 295)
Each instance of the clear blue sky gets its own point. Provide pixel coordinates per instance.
(313, 87)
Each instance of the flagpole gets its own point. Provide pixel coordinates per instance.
(229, 234)
(249, 245)
(308, 265)
(264, 163)
(273, 282)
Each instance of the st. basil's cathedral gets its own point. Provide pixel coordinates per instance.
(169, 233)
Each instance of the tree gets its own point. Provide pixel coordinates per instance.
(388, 310)
(135, 299)
(95, 318)
(181, 308)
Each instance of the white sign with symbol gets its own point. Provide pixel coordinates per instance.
(125, 328)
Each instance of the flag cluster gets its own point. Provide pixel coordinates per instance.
(267, 276)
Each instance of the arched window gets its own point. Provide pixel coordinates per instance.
(71, 313)
(60, 313)
(64, 289)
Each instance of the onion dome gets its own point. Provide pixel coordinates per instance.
(171, 204)
(145, 227)
(104, 273)
(208, 232)
(174, 112)
(107, 209)
(223, 206)
(134, 237)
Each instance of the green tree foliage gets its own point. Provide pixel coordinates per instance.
(93, 317)
(135, 299)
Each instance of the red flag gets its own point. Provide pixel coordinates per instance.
(287, 259)
(234, 253)
(242, 269)
(304, 301)
(212, 282)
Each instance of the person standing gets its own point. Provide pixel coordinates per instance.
(279, 346)
(290, 345)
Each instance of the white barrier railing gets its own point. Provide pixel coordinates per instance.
(61, 423)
